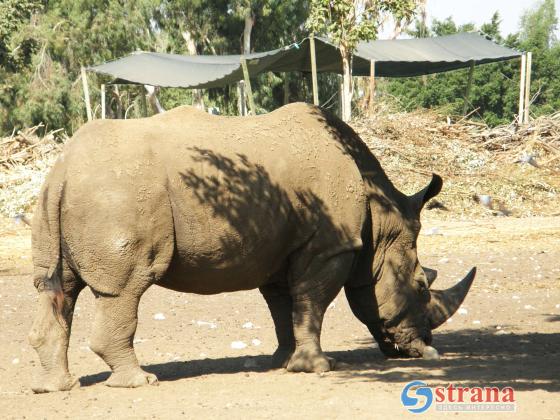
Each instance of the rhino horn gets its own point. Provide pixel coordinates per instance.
(444, 303)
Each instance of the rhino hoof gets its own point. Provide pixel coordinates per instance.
(133, 378)
(47, 383)
(302, 361)
(281, 357)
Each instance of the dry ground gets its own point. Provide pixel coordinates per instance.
(510, 336)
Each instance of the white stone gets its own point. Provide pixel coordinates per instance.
(256, 342)
(238, 345)
(462, 311)
(159, 316)
(15, 361)
(208, 324)
(476, 322)
(248, 326)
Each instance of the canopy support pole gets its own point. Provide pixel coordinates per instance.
(102, 101)
(520, 115)
(468, 89)
(86, 93)
(527, 88)
(314, 70)
(248, 85)
(371, 84)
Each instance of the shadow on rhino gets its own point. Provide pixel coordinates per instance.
(292, 203)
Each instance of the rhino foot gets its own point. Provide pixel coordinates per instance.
(305, 361)
(281, 357)
(53, 383)
(132, 378)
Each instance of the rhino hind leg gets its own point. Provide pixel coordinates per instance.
(50, 333)
(312, 293)
(279, 302)
(116, 318)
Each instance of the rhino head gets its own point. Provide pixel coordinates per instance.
(401, 309)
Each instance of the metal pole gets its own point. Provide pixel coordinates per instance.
(527, 88)
(86, 93)
(468, 89)
(102, 101)
(521, 90)
(248, 85)
(314, 70)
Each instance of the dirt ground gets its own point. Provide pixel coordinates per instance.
(509, 336)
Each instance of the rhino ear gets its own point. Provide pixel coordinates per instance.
(422, 197)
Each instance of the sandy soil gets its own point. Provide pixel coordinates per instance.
(510, 336)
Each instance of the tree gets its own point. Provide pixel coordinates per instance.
(495, 89)
(347, 22)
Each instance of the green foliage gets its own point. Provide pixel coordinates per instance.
(43, 44)
(347, 22)
(495, 88)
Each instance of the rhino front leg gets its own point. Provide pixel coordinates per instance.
(279, 302)
(116, 318)
(317, 288)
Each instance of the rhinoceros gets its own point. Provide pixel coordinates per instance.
(292, 203)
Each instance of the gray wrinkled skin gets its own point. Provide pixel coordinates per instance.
(292, 203)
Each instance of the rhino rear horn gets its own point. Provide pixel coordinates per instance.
(444, 303)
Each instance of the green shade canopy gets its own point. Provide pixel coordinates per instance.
(393, 58)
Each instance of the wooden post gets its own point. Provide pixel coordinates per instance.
(341, 98)
(314, 70)
(102, 101)
(521, 90)
(86, 93)
(248, 85)
(468, 89)
(371, 84)
(527, 88)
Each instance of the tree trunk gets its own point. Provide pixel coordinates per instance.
(246, 49)
(198, 99)
(346, 84)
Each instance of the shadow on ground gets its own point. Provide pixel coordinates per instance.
(471, 357)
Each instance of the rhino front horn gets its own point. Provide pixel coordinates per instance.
(444, 303)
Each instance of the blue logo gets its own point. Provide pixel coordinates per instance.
(417, 400)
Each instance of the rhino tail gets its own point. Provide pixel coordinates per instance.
(46, 242)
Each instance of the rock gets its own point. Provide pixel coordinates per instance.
(248, 326)
(476, 322)
(159, 316)
(462, 311)
(211, 325)
(238, 345)
(256, 342)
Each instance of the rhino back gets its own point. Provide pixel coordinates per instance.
(231, 198)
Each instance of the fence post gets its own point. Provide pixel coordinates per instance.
(521, 90)
(527, 88)
(314, 70)
(86, 93)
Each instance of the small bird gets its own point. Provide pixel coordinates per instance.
(434, 204)
(528, 158)
(495, 205)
